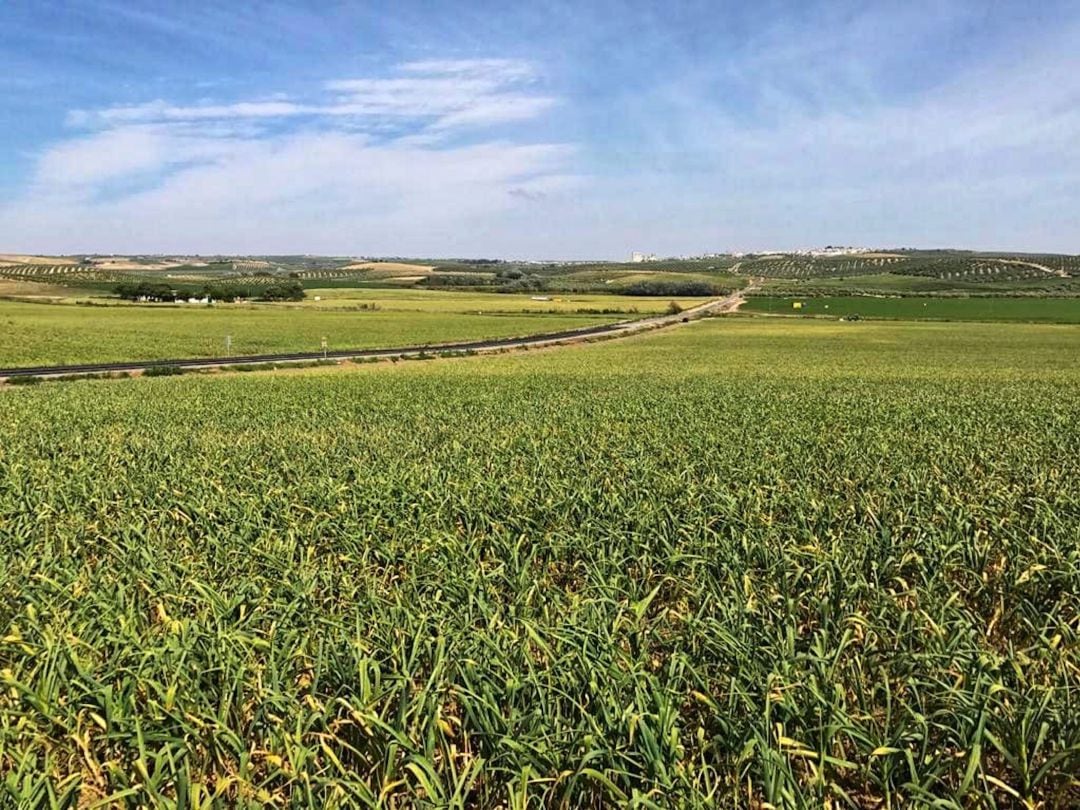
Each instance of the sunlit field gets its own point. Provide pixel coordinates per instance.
(743, 562)
(1032, 310)
(420, 300)
(47, 334)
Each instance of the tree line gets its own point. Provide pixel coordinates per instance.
(226, 293)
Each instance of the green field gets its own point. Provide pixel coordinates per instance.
(1032, 310)
(896, 284)
(745, 562)
(47, 334)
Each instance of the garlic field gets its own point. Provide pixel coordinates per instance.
(749, 562)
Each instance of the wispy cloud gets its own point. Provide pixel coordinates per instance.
(504, 71)
(829, 141)
(216, 174)
(318, 192)
(444, 93)
(160, 111)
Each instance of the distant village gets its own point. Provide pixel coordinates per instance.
(829, 250)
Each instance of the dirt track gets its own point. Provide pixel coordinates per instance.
(1043, 267)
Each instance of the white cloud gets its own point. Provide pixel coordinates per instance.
(162, 111)
(503, 109)
(448, 93)
(504, 70)
(208, 177)
(82, 165)
(167, 177)
(982, 157)
(327, 192)
(102, 156)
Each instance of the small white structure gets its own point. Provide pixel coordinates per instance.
(637, 257)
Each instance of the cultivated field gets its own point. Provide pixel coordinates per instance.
(785, 266)
(1032, 310)
(421, 300)
(52, 334)
(951, 266)
(33, 290)
(745, 562)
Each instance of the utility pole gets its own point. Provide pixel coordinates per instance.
(228, 345)
(324, 348)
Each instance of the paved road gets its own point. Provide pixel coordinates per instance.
(620, 329)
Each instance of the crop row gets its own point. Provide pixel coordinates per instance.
(332, 274)
(58, 274)
(968, 269)
(945, 267)
(49, 271)
(809, 267)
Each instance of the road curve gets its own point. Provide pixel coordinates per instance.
(619, 329)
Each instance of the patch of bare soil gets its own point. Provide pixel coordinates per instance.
(18, 258)
(391, 267)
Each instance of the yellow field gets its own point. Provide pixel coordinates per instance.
(18, 258)
(10, 288)
(420, 300)
(127, 264)
(391, 267)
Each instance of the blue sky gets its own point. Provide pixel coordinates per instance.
(543, 130)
